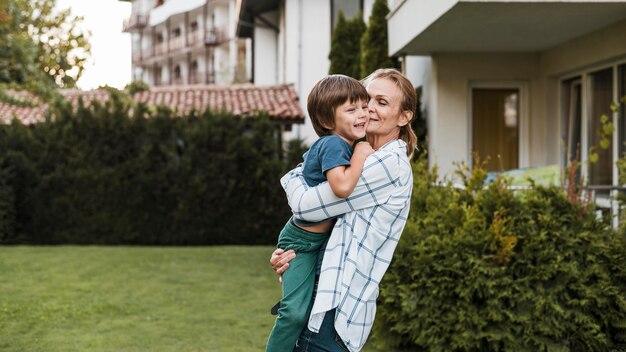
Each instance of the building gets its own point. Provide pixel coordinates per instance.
(524, 82)
(183, 42)
(291, 42)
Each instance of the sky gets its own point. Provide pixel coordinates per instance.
(110, 61)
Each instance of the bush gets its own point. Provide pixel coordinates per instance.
(98, 176)
(345, 48)
(483, 269)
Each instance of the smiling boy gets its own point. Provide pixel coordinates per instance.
(337, 106)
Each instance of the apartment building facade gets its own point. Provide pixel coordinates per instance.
(186, 42)
(291, 41)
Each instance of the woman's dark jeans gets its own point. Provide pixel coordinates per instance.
(326, 340)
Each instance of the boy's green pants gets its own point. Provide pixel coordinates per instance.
(298, 284)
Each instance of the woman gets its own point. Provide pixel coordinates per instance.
(369, 224)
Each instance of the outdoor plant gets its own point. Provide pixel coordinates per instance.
(345, 47)
(489, 269)
(120, 173)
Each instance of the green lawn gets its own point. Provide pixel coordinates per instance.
(72, 298)
(135, 298)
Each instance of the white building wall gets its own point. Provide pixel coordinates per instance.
(307, 44)
(266, 43)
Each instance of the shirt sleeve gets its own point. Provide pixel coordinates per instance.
(334, 152)
(377, 183)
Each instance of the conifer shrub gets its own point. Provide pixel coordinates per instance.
(119, 173)
(374, 42)
(345, 47)
(486, 269)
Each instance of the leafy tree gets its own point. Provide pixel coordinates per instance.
(374, 41)
(345, 49)
(40, 47)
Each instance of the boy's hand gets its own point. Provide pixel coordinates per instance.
(363, 149)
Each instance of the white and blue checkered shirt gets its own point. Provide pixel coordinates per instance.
(363, 240)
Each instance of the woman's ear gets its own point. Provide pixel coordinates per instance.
(405, 118)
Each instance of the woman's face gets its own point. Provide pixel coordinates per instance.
(384, 108)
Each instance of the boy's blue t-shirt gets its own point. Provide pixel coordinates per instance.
(326, 153)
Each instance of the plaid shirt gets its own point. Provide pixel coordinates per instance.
(363, 240)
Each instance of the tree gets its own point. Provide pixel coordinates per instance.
(374, 41)
(345, 47)
(40, 46)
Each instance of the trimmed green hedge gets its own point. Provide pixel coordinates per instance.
(96, 176)
(489, 270)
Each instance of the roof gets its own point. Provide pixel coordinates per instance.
(280, 102)
(247, 10)
(425, 27)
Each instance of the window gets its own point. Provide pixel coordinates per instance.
(600, 92)
(193, 26)
(572, 120)
(496, 127)
(176, 32)
(350, 9)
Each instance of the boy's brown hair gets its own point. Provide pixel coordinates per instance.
(329, 93)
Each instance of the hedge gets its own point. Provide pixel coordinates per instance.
(124, 174)
(487, 269)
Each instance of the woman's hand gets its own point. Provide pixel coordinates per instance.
(280, 260)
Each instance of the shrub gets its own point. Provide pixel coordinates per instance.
(345, 49)
(119, 174)
(483, 269)
(374, 41)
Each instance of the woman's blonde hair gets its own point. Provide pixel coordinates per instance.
(409, 102)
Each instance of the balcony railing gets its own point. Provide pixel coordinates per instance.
(177, 43)
(194, 38)
(201, 78)
(215, 36)
(135, 21)
(160, 48)
(137, 56)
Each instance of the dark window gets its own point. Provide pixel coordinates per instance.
(350, 9)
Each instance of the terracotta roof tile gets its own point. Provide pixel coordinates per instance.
(280, 101)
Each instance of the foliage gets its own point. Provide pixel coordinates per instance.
(136, 87)
(96, 176)
(345, 47)
(40, 47)
(420, 127)
(484, 269)
(294, 153)
(374, 41)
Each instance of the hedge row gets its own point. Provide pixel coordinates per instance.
(489, 270)
(116, 174)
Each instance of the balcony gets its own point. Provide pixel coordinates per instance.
(194, 38)
(201, 77)
(135, 22)
(215, 36)
(137, 56)
(177, 43)
(160, 48)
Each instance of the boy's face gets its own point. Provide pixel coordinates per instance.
(351, 120)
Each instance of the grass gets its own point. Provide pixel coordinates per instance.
(71, 298)
(135, 298)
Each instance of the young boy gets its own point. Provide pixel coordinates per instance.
(337, 106)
